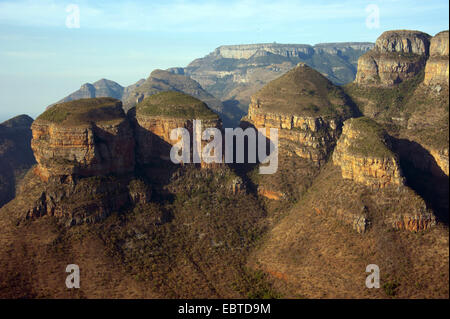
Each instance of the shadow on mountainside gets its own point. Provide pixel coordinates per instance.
(424, 176)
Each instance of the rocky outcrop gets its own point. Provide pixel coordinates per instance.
(88, 137)
(306, 109)
(161, 81)
(16, 156)
(437, 67)
(397, 56)
(364, 155)
(156, 116)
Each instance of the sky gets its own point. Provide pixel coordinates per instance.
(48, 49)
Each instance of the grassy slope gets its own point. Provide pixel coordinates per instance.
(371, 140)
(303, 91)
(192, 243)
(175, 104)
(84, 111)
(310, 253)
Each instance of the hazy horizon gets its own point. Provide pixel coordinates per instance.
(43, 60)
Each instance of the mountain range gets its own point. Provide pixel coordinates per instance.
(362, 179)
(226, 78)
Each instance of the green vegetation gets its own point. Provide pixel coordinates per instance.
(305, 92)
(390, 288)
(371, 140)
(84, 111)
(386, 102)
(175, 104)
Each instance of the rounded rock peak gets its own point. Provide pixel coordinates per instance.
(403, 41)
(302, 91)
(173, 104)
(84, 111)
(439, 45)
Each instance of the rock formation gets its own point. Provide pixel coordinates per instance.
(87, 137)
(364, 155)
(437, 67)
(160, 80)
(307, 109)
(397, 56)
(16, 156)
(157, 115)
(233, 73)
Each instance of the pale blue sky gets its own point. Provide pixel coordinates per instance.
(41, 60)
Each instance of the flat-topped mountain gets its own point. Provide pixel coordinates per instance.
(157, 115)
(233, 73)
(86, 137)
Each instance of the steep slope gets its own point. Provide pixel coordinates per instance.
(16, 156)
(397, 56)
(308, 111)
(158, 114)
(414, 111)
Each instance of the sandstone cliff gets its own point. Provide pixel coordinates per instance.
(87, 137)
(157, 115)
(397, 56)
(307, 109)
(364, 155)
(437, 67)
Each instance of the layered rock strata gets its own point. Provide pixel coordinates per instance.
(397, 56)
(87, 137)
(437, 67)
(364, 155)
(157, 115)
(307, 110)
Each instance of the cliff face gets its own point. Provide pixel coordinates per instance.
(16, 156)
(364, 156)
(437, 67)
(396, 57)
(306, 108)
(83, 146)
(156, 117)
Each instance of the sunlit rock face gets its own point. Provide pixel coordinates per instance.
(437, 67)
(364, 155)
(157, 115)
(397, 56)
(307, 110)
(87, 137)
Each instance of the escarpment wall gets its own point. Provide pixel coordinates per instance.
(437, 67)
(396, 57)
(308, 137)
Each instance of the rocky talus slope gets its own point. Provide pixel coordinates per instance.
(397, 56)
